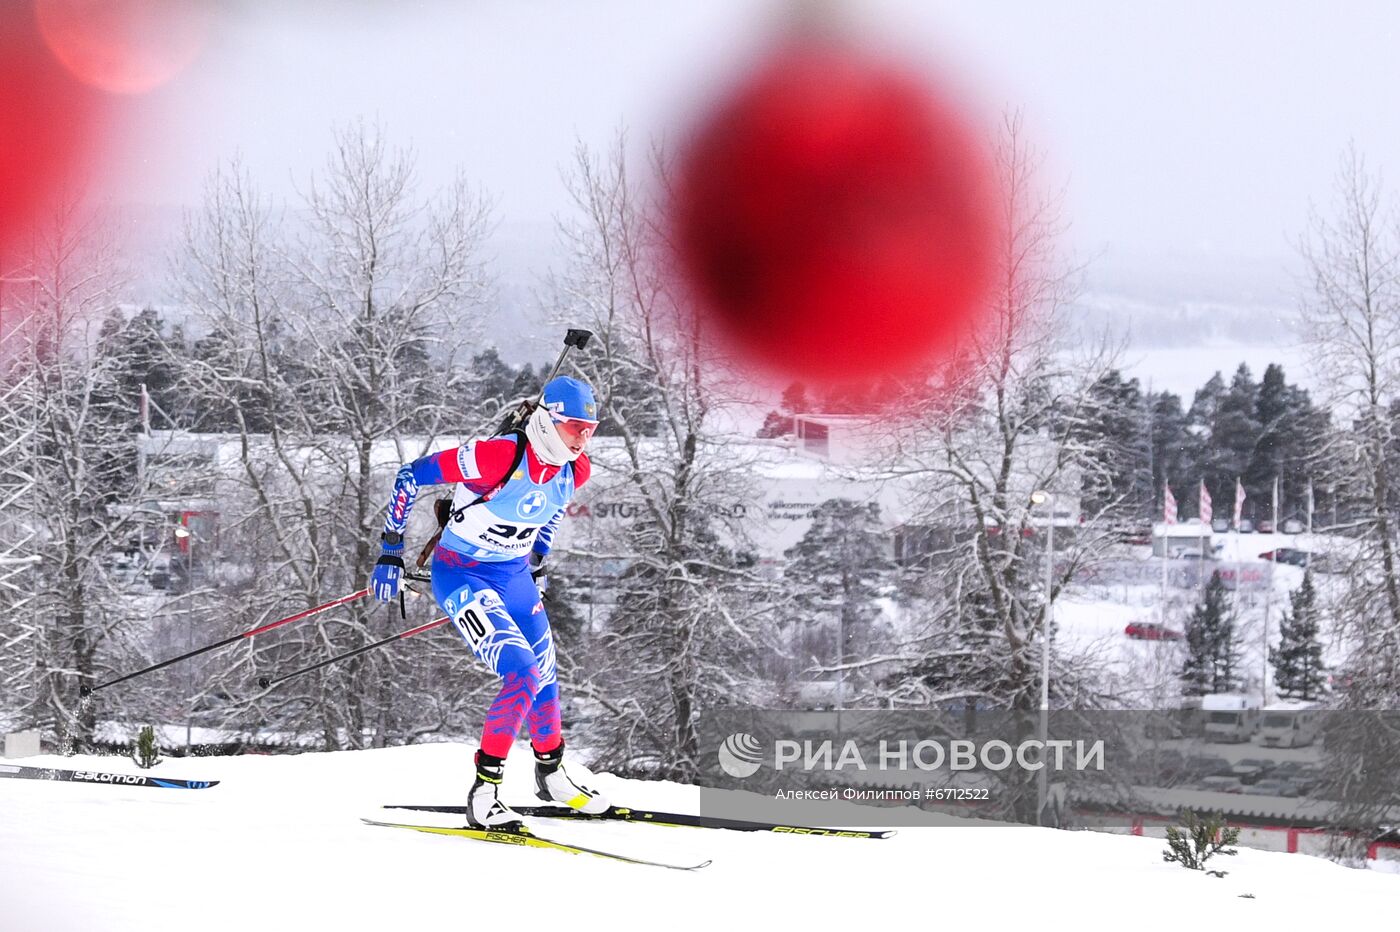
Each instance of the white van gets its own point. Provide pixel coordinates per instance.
(1230, 717)
(1289, 725)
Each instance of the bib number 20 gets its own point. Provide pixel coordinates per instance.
(472, 626)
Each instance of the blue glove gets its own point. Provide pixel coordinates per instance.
(388, 571)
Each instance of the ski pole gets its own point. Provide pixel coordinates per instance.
(572, 338)
(266, 682)
(86, 690)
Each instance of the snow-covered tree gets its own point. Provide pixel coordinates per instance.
(1005, 422)
(1235, 435)
(1352, 320)
(69, 476)
(689, 624)
(1169, 446)
(1119, 442)
(1298, 669)
(1212, 651)
(335, 348)
(1350, 317)
(835, 574)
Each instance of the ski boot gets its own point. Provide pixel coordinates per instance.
(484, 810)
(553, 784)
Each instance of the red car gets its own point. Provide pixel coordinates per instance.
(1151, 631)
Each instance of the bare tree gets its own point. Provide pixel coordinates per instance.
(333, 346)
(1001, 422)
(1350, 315)
(1351, 320)
(690, 616)
(999, 426)
(70, 465)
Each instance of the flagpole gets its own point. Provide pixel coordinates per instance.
(1204, 514)
(1168, 519)
(1268, 606)
(1162, 600)
(1276, 528)
(1310, 505)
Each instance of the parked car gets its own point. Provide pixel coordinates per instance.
(1266, 527)
(1220, 525)
(1202, 767)
(1252, 770)
(159, 572)
(1137, 535)
(1290, 555)
(1163, 767)
(126, 570)
(1272, 786)
(1246, 526)
(1306, 778)
(1219, 783)
(1151, 631)
(1292, 526)
(1302, 777)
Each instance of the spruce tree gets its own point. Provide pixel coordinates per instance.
(146, 751)
(1211, 651)
(1298, 669)
(1115, 434)
(780, 423)
(835, 573)
(1235, 434)
(1168, 439)
(1200, 432)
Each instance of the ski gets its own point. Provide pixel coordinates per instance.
(93, 776)
(529, 839)
(619, 814)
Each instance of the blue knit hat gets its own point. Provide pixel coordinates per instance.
(567, 398)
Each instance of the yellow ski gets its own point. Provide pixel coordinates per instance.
(528, 839)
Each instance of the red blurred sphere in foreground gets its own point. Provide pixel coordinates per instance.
(124, 46)
(834, 216)
(47, 120)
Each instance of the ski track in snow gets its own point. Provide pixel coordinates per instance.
(278, 845)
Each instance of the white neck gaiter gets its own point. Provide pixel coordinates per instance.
(549, 446)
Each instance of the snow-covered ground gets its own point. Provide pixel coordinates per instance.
(279, 845)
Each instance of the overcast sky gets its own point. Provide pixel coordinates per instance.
(1190, 136)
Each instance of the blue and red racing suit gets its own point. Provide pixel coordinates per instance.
(481, 572)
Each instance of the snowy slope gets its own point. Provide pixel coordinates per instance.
(278, 845)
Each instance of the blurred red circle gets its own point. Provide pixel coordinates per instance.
(833, 214)
(46, 121)
(124, 46)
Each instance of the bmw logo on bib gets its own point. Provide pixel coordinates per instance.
(531, 504)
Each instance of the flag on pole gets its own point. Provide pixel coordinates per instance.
(1275, 503)
(1239, 501)
(1168, 505)
(1205, 504)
